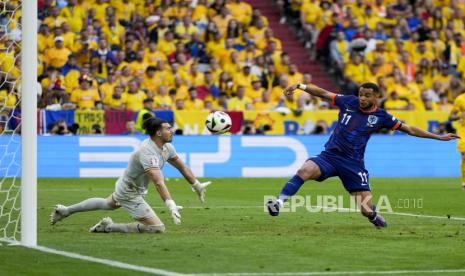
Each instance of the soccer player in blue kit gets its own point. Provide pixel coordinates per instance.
(343, 156)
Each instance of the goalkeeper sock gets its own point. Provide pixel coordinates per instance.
(90, 204)
(291, 188)
(136, 227)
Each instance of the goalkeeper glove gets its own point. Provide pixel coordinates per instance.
(200, 189)
(174, 209)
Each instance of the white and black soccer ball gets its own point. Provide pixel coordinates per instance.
(218, 122)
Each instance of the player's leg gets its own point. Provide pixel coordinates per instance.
(309, 170)
(356, 181)
(317, 168)
(462, 169)
(368, 209)
(146, 221)
(90, 204)
(145, 225)
(461, 149)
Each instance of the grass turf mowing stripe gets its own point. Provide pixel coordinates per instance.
(171, 273)
(315, 273)
(108, 262)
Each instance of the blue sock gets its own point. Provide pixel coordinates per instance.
(291, 187)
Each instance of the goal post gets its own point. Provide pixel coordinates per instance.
(29, 123)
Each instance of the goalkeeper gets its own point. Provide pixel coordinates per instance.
(145, 164)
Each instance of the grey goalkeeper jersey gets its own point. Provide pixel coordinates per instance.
(134, 181)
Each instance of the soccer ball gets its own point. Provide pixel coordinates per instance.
(218, 122)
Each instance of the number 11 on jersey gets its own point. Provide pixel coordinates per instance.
(346, 118)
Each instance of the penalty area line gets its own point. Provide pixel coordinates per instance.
(424, 216)
(344, 210)
(396, 213)
(108, 262)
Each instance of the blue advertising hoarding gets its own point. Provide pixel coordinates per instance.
(229, 156)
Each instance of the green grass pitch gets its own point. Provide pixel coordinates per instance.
(231, 233)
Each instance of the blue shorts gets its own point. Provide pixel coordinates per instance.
(352, 173)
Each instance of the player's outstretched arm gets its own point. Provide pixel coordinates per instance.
(310, 89)
(199, 188)
(414, 131)
(157, 178)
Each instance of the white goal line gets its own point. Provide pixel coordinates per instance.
(157, 271)
(107, 262)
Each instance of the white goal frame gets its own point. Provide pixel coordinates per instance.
(29, 123)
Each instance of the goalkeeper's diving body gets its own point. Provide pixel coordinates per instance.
(145, 165)
(343, 156)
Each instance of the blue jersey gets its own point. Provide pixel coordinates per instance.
(355, 127)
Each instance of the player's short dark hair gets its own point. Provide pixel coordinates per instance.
(146, 116)
(152, 125)
(370, 85)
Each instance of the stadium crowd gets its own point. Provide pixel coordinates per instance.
(415, 50)
(184, 55)
(203, 55)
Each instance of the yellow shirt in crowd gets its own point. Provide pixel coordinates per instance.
(135, 102)
(85, 99)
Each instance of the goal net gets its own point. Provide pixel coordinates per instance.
(10, 141)
(13, 126)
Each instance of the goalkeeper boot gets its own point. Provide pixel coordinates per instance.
(103, 226)
(273, 207)
(58, 214)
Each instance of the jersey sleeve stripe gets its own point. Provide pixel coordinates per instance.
(397, 125)
(333, 99)
(174, 158)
